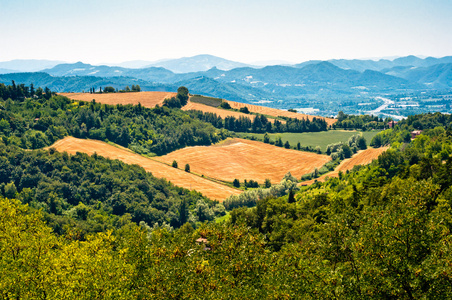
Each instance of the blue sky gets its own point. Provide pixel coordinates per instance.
(97, 31)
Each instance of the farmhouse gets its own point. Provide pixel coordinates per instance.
(415, 133)
(392, 124)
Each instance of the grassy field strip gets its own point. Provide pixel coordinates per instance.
(314, 139)
(363, 157)
(178, 177)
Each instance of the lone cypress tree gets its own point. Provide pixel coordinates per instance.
(291, 197)
(183, 212)
(187, 168)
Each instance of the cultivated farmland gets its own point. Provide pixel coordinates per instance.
(147, 99)
(220, 112)
(276, 112)
(245, 159)
(363, 157)
(178, 177)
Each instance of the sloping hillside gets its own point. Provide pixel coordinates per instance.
(178, 177)
(363, 157)
(277, 112)
(245, 159)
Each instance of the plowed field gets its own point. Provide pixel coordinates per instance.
(178, 177)
(276, 112)
(363, 157)
(220, 112)
(245, 159)
(147, 99)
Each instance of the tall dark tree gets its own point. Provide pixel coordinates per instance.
(182, 95)
(291, 198)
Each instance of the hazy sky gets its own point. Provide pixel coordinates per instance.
(95, 31)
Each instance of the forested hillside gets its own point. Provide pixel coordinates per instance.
(87, 227)
(37, 122)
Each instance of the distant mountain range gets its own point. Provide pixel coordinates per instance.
(27, 65)
(214, 76)
(198, 63)
(378, 65)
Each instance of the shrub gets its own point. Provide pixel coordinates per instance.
(225, 105)
(244, 110)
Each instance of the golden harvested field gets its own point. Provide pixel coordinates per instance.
(220, 112)
(363, 157)
(178, 177)
(276, 112)
(147, 99)
(245, 159)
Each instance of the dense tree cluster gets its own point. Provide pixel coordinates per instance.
(21, 91)
(180, 99)
(401, 133)
(361, 122)
(261, 124)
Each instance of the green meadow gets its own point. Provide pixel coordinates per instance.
(313, 139)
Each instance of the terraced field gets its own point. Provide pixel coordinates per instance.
(245, 159)
(276, 112)
(363, 157)
(211, 189)
(147, 99)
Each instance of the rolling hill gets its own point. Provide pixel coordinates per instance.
(178, 177)
(245, 159)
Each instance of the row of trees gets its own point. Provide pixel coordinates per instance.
(261, 124)
(110, 89)
(20, 91)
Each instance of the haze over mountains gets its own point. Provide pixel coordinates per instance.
(279, 85)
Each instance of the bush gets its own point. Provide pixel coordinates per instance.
(306, 177)
(172, 103)
(244, 110)
(225, 105)
(323, 170)
(236, 183)
(109, 89)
